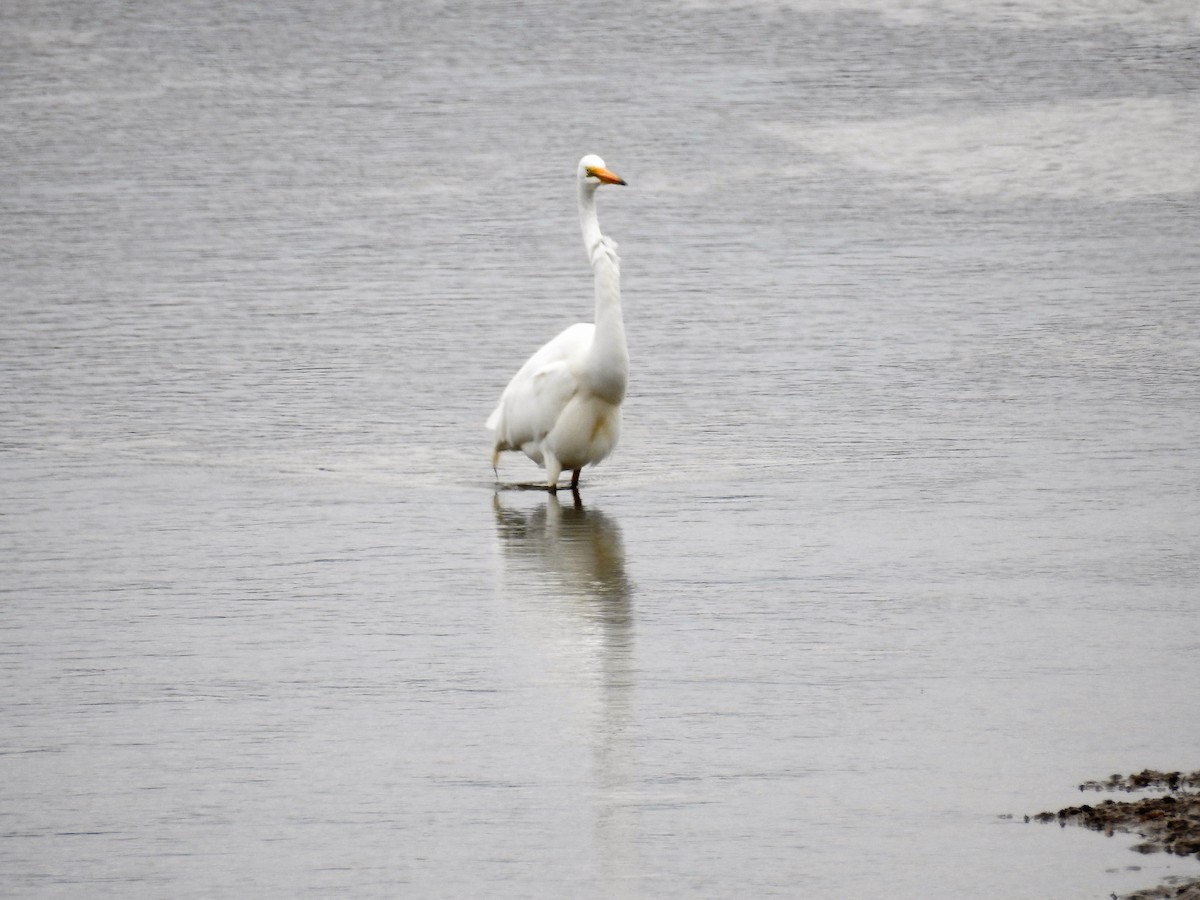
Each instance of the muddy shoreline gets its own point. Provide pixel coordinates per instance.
(1167, 823)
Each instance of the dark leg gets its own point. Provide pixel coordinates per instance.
(575, 479)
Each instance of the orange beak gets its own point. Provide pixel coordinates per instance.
(606, 176)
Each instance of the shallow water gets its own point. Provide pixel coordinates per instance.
(901, 536)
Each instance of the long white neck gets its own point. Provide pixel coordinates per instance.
(607, 366)
(587, 217)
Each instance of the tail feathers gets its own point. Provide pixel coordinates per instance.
(493, 422)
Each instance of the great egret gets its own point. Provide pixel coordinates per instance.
(563, 407)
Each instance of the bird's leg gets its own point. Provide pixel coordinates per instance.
(575, 479)
(553, 470)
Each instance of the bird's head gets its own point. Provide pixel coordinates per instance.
(593, 172)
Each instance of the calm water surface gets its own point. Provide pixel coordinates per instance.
(901, 538)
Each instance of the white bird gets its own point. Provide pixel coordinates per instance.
(563, 407)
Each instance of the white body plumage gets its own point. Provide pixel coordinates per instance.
(563, 407)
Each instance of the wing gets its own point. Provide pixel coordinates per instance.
(537, 394)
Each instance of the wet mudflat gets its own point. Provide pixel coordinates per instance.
(1168, 823)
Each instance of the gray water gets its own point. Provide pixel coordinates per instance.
(901, 538)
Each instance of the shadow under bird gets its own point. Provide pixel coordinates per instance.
(563, 407)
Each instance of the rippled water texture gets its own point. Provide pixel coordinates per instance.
(901, 536)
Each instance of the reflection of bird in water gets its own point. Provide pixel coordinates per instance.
(580, 550)
(563, 407)
(571, 611)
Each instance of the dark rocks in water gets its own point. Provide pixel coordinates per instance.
(1147, 778)
(1174, 889)
(1169, 823)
